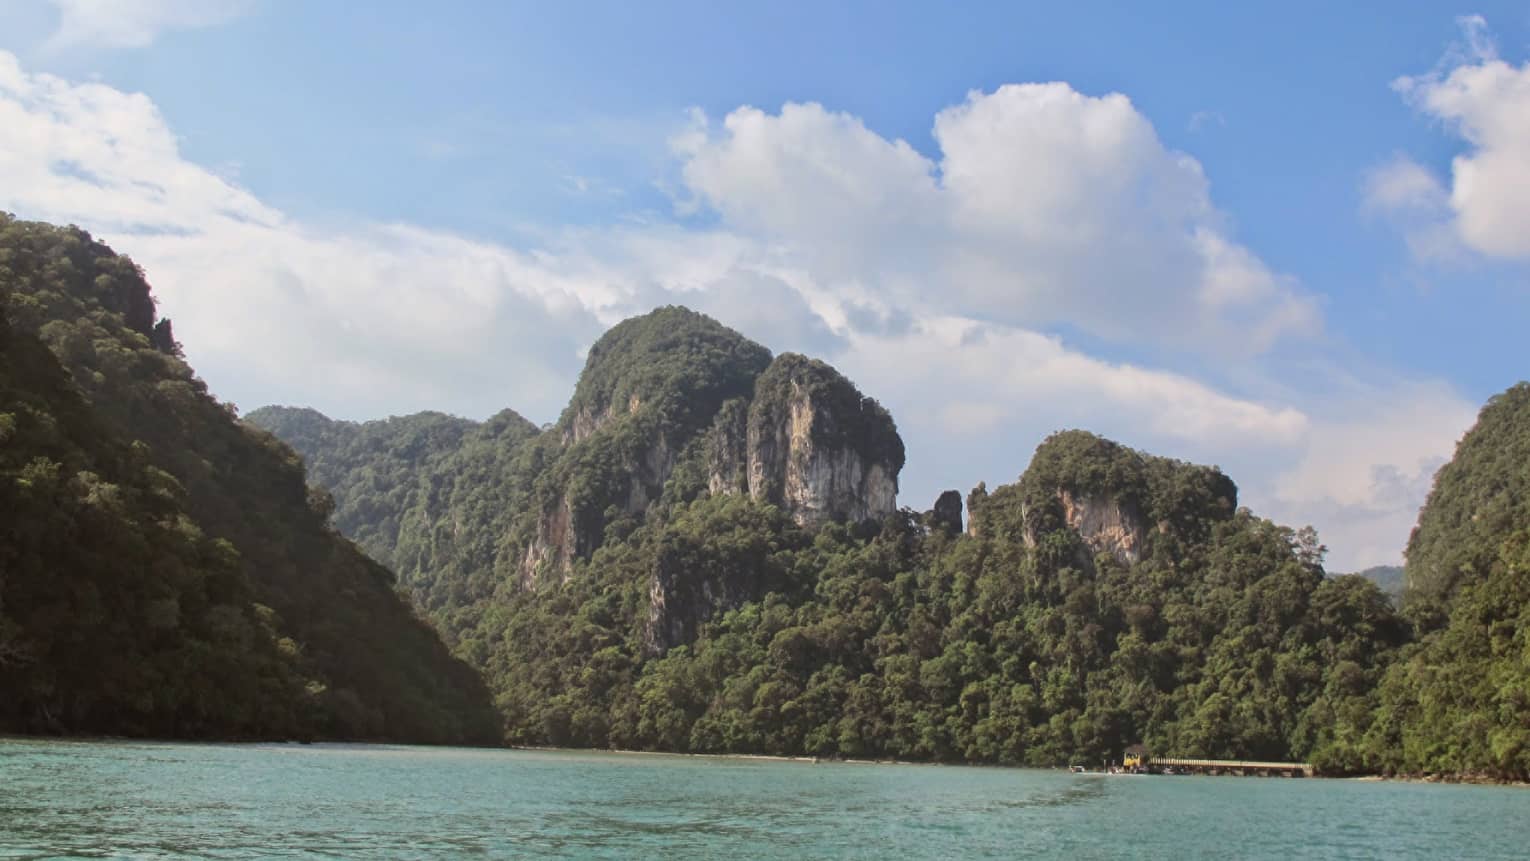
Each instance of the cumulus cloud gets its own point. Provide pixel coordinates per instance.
(135, 23)
(924, 280)
(1366, 467)
(386, 311)
(1045, 205)
(1485, 101)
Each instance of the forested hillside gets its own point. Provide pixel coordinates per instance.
(1459, 701)
(165, 568)
(1388, 578)
(684, 595)
(704, 553)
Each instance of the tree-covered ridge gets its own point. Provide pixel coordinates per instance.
(1459, 702)
(1165, 492)
(1479, 498)
(373, 670)
(910, 643)
(372, 469)
(1389, 578)
(117, 612)
(436, 497)
(682, 364)
(1105, 598)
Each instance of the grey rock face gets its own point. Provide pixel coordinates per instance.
(811, 445)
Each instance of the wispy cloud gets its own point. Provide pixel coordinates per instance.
(135, 23)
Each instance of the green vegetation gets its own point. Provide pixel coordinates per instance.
(166, 568)
(852, 419)
(912, 644)
(1389, 578)
(1459, 700)
(683, 364)
(1479, 499)
(371, 469)
(691, 622)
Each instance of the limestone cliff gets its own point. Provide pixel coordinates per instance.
(811, 444)
(1106, 523)
(675, 387)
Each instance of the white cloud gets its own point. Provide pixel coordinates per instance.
(135, 23)
(921, 280)
(1046, 205)
(1486, 102)
(1367, 466)
(363, 321)
(1404, 185)
(961, 370)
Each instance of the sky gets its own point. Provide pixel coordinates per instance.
(1292, 240)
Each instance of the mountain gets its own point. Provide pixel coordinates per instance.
(1478, 498)
(705, 554)
(1390, 579)
(167, 571)
(670, 407)
(1457, 701)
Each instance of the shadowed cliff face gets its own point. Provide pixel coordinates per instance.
(1107, 524)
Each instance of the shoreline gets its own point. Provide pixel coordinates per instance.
(1464, 779)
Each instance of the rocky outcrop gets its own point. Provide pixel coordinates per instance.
(946, 516)
(1107, 524)
(586, 421)
(975, 500)
(676, 406)
(1115, 499)
(554, 546)
(728, 450)
(812, 445)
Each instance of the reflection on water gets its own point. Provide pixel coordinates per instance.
(97, 800)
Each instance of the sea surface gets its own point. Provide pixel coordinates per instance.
(138, 800)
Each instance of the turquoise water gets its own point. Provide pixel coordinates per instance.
(134, 800)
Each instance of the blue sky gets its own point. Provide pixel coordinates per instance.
(1286, 240)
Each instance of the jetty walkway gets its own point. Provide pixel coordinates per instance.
(1232, 766)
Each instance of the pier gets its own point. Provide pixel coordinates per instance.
(1231, 766)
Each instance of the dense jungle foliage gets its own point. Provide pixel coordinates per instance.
(1219, 635)
(164, 568)
(1459, 700)
(916, 644)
